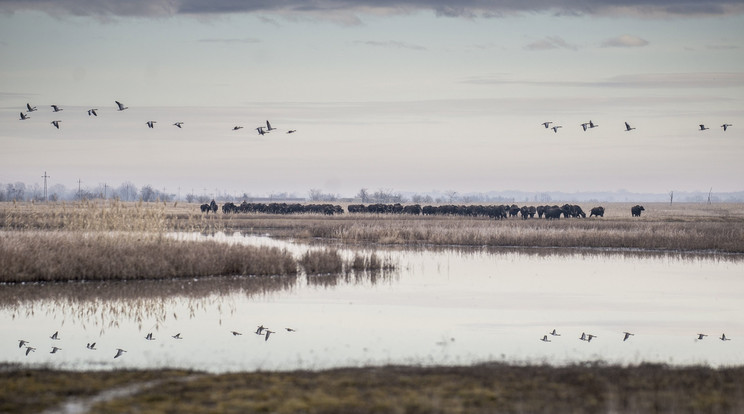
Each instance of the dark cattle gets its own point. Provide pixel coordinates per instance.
(514, 210)
(553, 212)
(414, 209)
(205, 208)
(541, 211)
(229, 207)
(597, 211)
(636, 210)
(213, 206)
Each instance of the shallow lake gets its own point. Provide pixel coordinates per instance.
(441, 306)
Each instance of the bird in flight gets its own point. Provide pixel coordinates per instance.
(545, 338)
(56, 108)
(235, 128)
(30, 108)
(725, 127)
(55, 123)
(291, 131)
(91, 346)
(628, 127)
(29, 350)
(92, 112)
(724, 338)
(178, 124)
(119, 352)
(55, 336)
(268, 332)
(268, 126)
(24, 116)
(701, 336)
(121, 106)
(290, 329)
(547, 124)
(703, 127)
(592, 124)
(151, 124)
(555, 333)
(236, 333)
(260, 329)
(177, 336)
(21, 342)
(584, 125)
(149, 337)
(627, 335)
(55, 349)
(260, 131)
(555, 128)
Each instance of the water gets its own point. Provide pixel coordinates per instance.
(442, 306)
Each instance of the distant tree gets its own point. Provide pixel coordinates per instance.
(127, 191)
(451, 196)
(363, 195)
(147, 194)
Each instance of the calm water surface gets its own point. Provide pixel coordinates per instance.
(442, 306)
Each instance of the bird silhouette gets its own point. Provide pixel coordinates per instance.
(290, 330)
(91, 346)
(555, 333)
(149, 337)
(30, 108)
(725, 127)
(724, 338)
(55, 349)
(29, 350)
(24, 116)
(177, 336)
(178, 124)
(584, 126)
(268, 126)
(268, 332)
(92, 112)
(235, 128)
(545, 338)
(628, 127)
(703, 127)
(555, 128)
(260, 131)
(56, 123)
(151, 124)
(701, 336)
(236, 333)
(121, 106)
(592, 124)
(291, 131)
(56, 108)
(55, 336)
(547, 124)
(259, 330)
(627, 335)
(22, 342)
(119, 352)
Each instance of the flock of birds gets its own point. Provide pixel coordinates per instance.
(22, 343)
(262, 130)
(590, 125)
(626, 335)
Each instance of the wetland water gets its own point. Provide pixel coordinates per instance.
(441, 306)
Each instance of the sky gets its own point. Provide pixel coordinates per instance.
(408, 96)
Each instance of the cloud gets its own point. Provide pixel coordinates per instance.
(625, 40)
(391, 43)
(331, 9)
(551, 42)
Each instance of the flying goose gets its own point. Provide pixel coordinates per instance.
(268, 126)
(260, 131)
(30, 108)
(55, 336)
(627, 335)
(24, 116)
(545, 338)
(547, 124)
(178, 124)
(119, 352)
(725, 127)
(584, 125)
(56, 123)
(151, 124)
(555, 333)
(121, 106)
(628, 127)
(555, 128)
(30, 349)
(268, 332)
(91, 346)
(291, 131)
(236, 333)
(92, 112)
(259, 330)
(177, 336)
(723, 338)
(703, 127)
(149, 337)
(56, 108)
(701, 336)
(235, 128)
(290, 329)
(592, 124)
(55, 349)
(21, 342)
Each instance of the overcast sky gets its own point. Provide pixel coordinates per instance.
(414, 95)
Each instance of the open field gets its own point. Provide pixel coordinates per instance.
(485, 388)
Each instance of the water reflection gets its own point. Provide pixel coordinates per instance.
(442, 306)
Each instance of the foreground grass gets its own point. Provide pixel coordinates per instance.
(487, 388)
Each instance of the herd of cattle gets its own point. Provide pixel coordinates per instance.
(497, 212)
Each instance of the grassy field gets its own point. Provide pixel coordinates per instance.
(486, 388)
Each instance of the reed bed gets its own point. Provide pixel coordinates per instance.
(55, 256)
(330, 261)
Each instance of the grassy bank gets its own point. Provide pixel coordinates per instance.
(488, 388)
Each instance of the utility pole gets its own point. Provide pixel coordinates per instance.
(45, 176)
(80, 190)
(105, 187)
